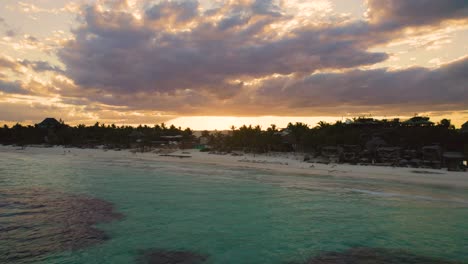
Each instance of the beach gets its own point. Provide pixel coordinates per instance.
(284, 163)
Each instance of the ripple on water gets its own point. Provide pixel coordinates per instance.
(35, 222)
(373, 256)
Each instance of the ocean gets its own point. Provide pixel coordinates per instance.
(66, 207)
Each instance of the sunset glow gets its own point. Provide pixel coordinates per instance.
(216, 64)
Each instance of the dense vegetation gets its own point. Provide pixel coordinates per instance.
(90, 136)
(412, 134)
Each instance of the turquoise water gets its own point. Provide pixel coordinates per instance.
(234, 215)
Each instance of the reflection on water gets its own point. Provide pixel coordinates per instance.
(158, 256)
(374, 256)
(35, 222)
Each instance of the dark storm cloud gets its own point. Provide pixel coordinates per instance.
(399, 13)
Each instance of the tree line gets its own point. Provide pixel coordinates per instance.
(411, 134)
(89, 136)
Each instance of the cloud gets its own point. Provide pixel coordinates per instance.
(37, 66)
(212, 52)
(30, 8)
(402, 90)
(12, 87)
(29, 85)
(41, 66)
(32, 112)
(378, 91)
(266, 7)
(177, 12)
(10, 33)
(248, 57)
(6, 63)
(399, 13)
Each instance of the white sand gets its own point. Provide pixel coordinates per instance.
(285, 163)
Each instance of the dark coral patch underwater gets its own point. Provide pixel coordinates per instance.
(35, 222)
(373, 256)
(160, 256)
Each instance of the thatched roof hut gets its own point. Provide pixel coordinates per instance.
(49, 123)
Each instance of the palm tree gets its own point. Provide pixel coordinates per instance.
(446, 123)
(323, 124)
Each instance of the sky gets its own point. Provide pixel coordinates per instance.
(213, 64)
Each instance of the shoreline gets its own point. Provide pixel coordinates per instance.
(287, 163)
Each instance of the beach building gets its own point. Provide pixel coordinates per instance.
(418, 121)
(176, 141)
(331, 153)
(136, 136)
(454, 161)
(432, 156)
(391, 155)
(49, 123)
(350, 153)
(203, 143)
(365, 122)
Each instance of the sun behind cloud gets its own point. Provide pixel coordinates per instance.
(221, 62)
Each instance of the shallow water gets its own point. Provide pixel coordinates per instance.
(181, 213)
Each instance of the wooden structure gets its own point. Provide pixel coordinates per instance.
(331, 153)
(454, 161)
(432, 156)
(350, 153)
(389, 155)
